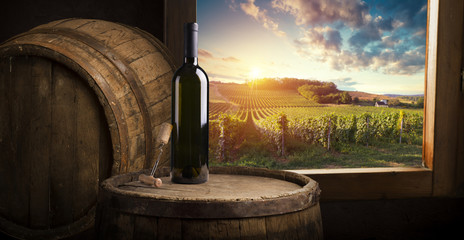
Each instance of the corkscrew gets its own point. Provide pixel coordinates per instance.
(163, 137)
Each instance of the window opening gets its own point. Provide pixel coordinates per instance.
(314, 84)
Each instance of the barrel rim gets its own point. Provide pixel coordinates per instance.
(150, 205)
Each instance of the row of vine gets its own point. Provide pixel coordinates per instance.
(224, 133)
(335, 129)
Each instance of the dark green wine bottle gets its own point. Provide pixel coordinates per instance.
(190, 93)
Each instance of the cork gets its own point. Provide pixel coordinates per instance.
(150, 180)
(164, 133)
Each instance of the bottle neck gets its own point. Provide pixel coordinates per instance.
(191, 43)
(191, 60)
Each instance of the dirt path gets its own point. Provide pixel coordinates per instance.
(251, 133)
(215, 95)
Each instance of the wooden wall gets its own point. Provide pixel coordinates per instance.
(162, 18)
(21, 15)
(444, 126)
(177, 13)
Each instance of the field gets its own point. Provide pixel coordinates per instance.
(239, 100)
(281, 129)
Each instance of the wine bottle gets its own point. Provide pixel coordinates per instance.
(190, 93)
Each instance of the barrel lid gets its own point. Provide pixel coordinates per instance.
(231, 192)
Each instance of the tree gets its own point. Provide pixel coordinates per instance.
(394, 102)
(345, 98)
(420, 102)
(325, 92)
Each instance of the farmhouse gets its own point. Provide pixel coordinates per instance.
(381, 103)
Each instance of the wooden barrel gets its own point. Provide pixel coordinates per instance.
(80, 100)
(236, 203)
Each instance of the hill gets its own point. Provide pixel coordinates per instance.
(368, 96)
(399, 95)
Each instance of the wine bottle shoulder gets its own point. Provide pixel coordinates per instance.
(200, 72)
(190, 71)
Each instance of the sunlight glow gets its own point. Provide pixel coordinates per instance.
(255, 73)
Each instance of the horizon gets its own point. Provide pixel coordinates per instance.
(369, 46)
(385, 94)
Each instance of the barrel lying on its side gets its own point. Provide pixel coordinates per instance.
(80, 100)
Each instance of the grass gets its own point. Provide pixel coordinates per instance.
(379, 155)
(252, 154)
(300, 156)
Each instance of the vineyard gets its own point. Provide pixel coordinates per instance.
(242, 102)
(280, 124)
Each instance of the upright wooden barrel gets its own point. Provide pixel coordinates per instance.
(236, 203)
(80, 100)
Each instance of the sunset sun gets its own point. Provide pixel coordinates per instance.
(255, 73)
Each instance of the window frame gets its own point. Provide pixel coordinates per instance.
(443, 149)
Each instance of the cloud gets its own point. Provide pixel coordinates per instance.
(384, 24)
(205, 54)
(386, 61)
(226, 78)
(334, 40)
(371, 32)
(345, 84)
(411, 61)
(411, 14)
(367, 34)
(319, 12)
(325, 37)
(394, 44)
(219, 68)
(389, 42)
(349, 61)
(230, 59)
(232, 4)
(261, 16)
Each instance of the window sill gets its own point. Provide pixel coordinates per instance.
(371, 183)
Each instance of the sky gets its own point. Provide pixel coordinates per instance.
(375, 46)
